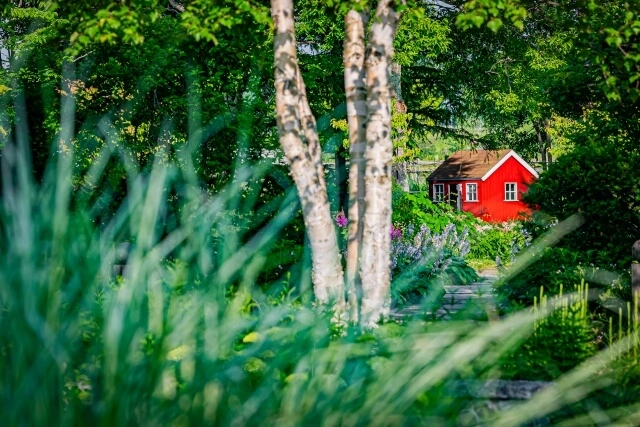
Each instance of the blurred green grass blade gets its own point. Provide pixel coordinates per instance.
(570, 388)
(550, 238)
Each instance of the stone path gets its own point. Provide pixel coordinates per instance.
(475, 299)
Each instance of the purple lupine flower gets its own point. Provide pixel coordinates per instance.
(433, 251)
(464, 248)
(341, 219)
(396, 233)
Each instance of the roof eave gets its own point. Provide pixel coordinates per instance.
(454, 179)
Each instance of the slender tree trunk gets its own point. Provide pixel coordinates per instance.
(541, 145)
(299, 141)
(544, 142)
(395, 83)
(635, 280)
(341, 179)
(547, 141)
(376, 241)
(356, 95)
(399, 169)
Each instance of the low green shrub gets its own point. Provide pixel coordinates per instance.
(418, 209)
(562, 327)
(555, 267)
(499, 242)
(558, 267)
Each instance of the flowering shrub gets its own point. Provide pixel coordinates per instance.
(487, 240)
(424, 247)
(419, 256)
(341, 220)
(396, 233)
(499, 241)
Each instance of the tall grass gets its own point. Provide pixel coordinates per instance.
(167, 343)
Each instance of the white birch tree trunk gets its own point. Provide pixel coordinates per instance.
(376, 240)
(369, 116)
(299, 141)
(356, 98)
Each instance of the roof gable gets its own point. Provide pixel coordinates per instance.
(504, 159)
(479, 164)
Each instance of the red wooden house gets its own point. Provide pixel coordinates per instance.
(489, 184)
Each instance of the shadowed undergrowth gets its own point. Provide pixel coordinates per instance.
(186, 336)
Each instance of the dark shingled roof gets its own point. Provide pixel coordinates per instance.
(468, 164)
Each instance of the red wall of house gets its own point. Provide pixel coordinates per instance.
(491, 204)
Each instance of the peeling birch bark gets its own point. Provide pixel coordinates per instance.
(356, 98)
(376, 240)
(299, 141)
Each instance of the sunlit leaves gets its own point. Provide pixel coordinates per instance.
(619, 25)
(492, 13)
(420, 36)
(115, 23)
(205, 19)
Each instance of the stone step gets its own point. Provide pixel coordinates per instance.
(456, 297)
(472, 315)
(444, 315)
(469, 289)
(452, 308)
(458, 307)
(413, 311)
(498, 389)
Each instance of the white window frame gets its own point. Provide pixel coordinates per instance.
(437, 193)
(511, 195)
(474, 192)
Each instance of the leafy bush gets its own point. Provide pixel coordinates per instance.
(554, 269)
(558, 268)
(416, 208)
(498, 241)
(563, 328)
(599, 180)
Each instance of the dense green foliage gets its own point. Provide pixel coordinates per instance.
(556, 268)
(163, 343)
(136, 133)
(599, 180)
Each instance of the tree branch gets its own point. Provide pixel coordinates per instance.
(82, 56)
(177, 6)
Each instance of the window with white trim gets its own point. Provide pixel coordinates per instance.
(472, 192)
(438, 192)
(510, 191)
